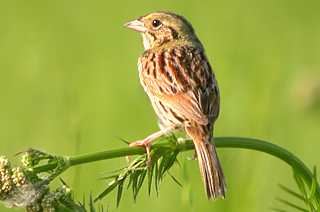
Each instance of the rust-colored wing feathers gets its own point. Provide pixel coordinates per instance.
(174, 76)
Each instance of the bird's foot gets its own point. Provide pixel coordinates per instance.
(145, 143)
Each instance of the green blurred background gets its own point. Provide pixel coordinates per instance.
(69, 85)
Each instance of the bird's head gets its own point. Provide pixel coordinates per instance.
(164, 28)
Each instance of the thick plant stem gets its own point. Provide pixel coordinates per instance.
(220, 142)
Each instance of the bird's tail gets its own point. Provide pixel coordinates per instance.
(210, 168)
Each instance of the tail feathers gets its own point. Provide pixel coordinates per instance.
(211, 170)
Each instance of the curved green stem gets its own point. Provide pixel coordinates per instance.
(220, 142)
(272, 149)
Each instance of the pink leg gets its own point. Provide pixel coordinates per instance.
(152, 137)
(145, 142)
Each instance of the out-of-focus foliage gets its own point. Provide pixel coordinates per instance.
(69, 85)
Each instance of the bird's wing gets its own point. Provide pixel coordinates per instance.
(183, 81)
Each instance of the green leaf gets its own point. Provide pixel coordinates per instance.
(292, 192)
(313, 187)
(92, 209)
(292, 205)
(156, 176)
(106, 191)
(120, 189)
(150, 177)
(175, 179)
(141, 179)
(300, 183)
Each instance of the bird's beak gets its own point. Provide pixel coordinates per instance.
(136, 25)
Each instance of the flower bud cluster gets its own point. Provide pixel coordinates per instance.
(20, 187)
(10, 178)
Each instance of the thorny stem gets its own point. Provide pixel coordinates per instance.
(220, 142)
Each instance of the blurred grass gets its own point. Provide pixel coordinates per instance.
(69, 85)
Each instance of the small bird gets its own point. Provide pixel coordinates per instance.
(176, 74)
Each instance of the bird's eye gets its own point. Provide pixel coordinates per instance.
(156, 23)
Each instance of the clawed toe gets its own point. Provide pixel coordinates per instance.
(194, 156)
(148, 150)
(146, 142)
(149, 161)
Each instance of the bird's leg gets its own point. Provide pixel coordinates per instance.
(152, 137)
(146, 142)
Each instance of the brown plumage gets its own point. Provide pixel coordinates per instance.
(182, 88)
